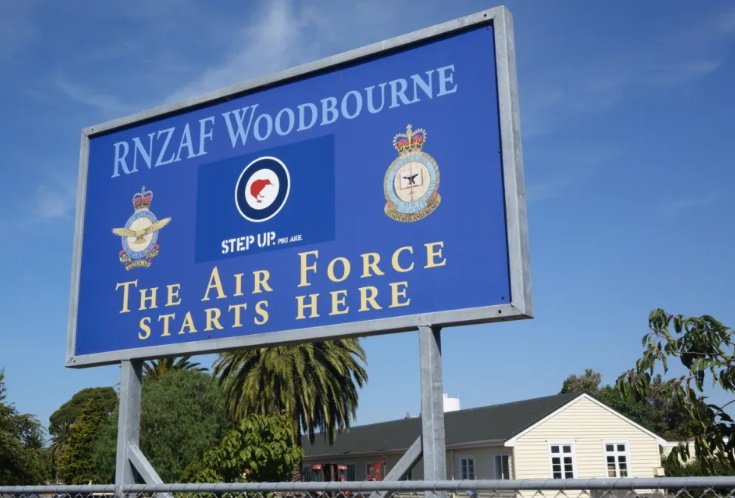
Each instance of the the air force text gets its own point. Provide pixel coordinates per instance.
(244, 299)
(193, 139)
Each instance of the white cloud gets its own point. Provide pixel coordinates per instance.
(276, 42)
(287, 33)
(567, 167)
(534, 104)
(541, 191)
(668, 59)
(677, 72)
(687, 203)
(17, 27)
(54, 200)
(107, 105)
(725, 22)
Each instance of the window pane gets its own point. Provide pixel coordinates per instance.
(506, 466)
(562, 461)
(467, 466)
(616, 459)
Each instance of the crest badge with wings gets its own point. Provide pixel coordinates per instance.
(140, 234)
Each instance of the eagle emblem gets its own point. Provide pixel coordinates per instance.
(140, 234)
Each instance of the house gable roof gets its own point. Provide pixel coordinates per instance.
(488, 423)
(512, 441)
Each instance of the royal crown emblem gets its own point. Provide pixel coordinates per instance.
(140, 235)
(411, 185)
(142, 199)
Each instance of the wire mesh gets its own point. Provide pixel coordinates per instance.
(693, 487)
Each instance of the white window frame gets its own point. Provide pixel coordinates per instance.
(616, 453)
(573, 454)
(498, 458)
(466, 456)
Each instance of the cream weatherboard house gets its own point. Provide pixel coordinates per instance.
(563, 436)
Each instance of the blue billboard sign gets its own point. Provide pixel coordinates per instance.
(372, 192)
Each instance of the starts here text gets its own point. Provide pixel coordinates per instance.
(255, 313)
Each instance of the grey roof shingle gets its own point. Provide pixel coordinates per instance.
(496, 422)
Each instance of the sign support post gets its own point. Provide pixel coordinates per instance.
(128, 425)
(130, 460)
(432, 410)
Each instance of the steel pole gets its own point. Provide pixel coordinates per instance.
(128, 424)
(432, 407)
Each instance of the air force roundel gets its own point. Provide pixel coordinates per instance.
(262, 189)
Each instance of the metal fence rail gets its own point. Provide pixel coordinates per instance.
(677, 487)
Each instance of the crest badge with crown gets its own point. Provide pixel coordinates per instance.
(411, 184)
(140, 235)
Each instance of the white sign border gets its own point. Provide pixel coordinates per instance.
(521, 305)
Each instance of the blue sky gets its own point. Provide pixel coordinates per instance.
(627, 119)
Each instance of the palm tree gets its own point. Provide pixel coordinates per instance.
(58, 441)
(314, 384)
(152, 370)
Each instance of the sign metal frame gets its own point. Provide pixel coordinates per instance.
(519, 307)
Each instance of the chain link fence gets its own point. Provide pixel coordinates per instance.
(671, 487)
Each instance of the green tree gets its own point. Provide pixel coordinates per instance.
(76, 463)
(259, 449)
(314, 384)
(704, 347)
(154, 369)
(182, 414)
(61, 421)
(588, 382)
(21, 439)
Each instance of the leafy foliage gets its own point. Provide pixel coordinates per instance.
(76, 463)
(314, 384)
(588, 382)
(259, 449)
(61, 421)
(182, 414)
(674, 468)
(21, 439)
(155, 369)
(704, 347)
